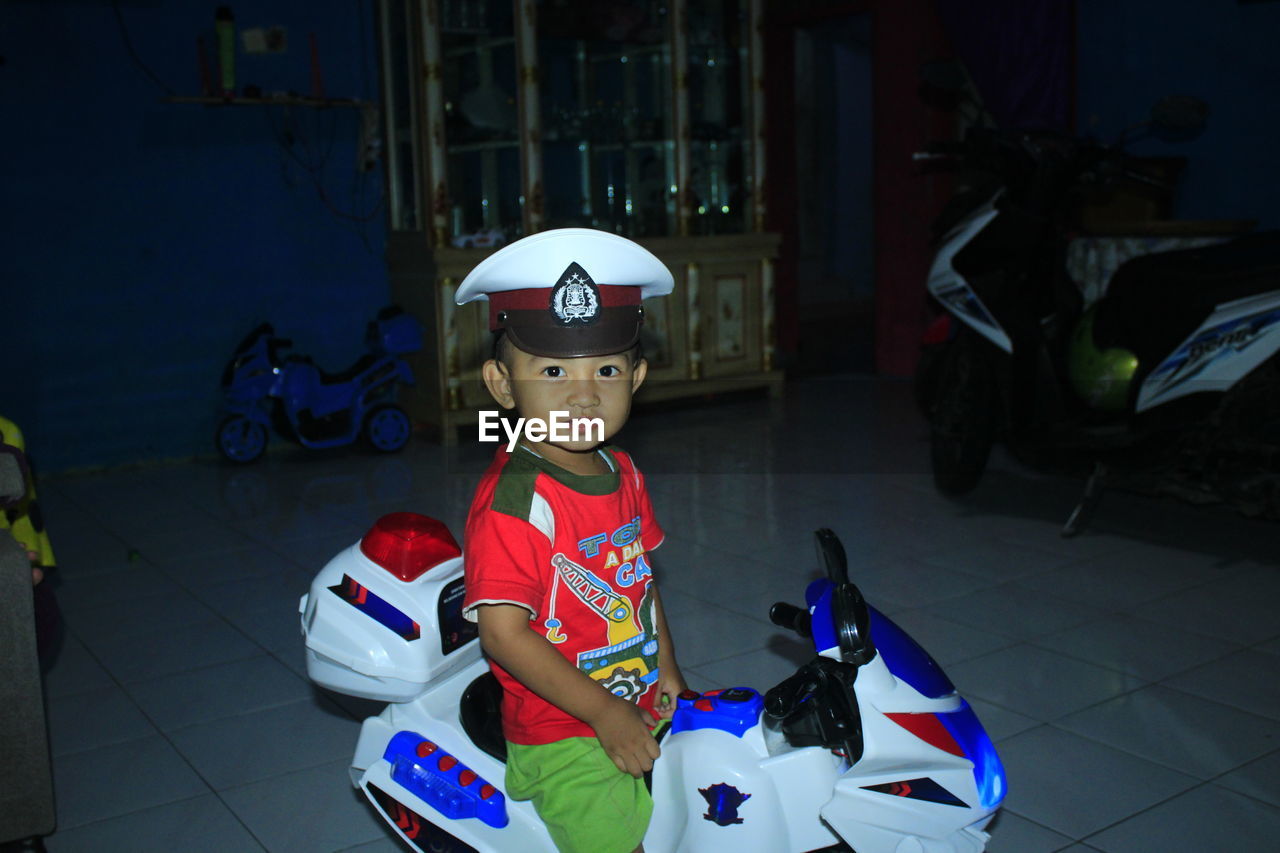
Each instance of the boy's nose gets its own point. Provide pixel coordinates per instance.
(583, 395)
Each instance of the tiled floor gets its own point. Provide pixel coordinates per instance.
(1131, 676)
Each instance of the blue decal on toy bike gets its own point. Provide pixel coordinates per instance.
(906, 659)
(440, 780)
(723, 802)
(918, 789)
(988, 770)
(377, 609)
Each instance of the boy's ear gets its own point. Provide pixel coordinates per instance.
(498, 381)
(638, 374)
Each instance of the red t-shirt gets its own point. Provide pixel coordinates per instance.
(571, 550)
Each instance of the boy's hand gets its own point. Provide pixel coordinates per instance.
(624, 731)
(670, 685)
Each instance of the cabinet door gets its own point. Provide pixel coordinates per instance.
(731, 334)
(481, 123)
(608, 150)
(719, 190)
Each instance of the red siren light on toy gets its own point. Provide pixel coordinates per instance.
(408, 544)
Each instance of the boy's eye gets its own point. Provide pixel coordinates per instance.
(610, 370)
(553, 371)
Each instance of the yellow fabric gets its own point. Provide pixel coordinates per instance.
(24, 520)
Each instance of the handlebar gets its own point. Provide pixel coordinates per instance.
(792, 618)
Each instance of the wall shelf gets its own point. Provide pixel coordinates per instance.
(282, 101)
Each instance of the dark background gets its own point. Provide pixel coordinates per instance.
(143, 239)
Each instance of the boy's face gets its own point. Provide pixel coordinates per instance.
(585, 387)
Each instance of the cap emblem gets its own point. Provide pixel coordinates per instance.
(575, 298)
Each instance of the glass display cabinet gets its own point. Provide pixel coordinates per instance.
(639, 117)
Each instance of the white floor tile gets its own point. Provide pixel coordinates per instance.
(307, 811)
(143, 656)
(1242, 607)
(198, 825)
(1207, 818)
(219, 691)
(1000, 723)
(1259, 779)
(116, 780)
(257, 745)
(1181, 731)
(1017, 611)
(115, 719)
(74, 670)
(1038, 683)
(1246, 679)
(705, 633)
(946, 641)
(1132, 576)
(1148, 650)
(1013, 834)
(1076, 786)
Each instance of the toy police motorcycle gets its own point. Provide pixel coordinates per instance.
(868, 745)
(317, 408)
(1166, 383)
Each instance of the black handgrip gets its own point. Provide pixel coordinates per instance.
(792, 618)
(831, 553)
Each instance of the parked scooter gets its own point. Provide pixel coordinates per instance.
(1167, 383)
(316, 408)
(868, 744)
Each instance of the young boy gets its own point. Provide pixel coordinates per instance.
(556, 546)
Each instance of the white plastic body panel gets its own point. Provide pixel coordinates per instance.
(1232, 341)
(799, 797)
(951, 289)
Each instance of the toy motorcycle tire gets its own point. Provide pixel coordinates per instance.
(387, 427)
(240, 439)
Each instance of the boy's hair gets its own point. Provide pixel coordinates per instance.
(502, 350)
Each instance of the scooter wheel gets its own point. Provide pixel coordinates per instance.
(240, 439)
(962, 420)
(387, 427)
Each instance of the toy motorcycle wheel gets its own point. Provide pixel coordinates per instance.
(387, 427)
(240, 439)
(962, 420)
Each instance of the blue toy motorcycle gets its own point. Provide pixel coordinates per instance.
(316, 408)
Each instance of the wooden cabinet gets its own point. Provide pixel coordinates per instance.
(640, 117)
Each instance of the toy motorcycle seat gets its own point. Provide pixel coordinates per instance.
(481, 711)
(1155, 301)
(323, 377)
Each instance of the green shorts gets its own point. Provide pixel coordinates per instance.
(586, 802)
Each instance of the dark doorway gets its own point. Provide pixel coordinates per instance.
(835, 276)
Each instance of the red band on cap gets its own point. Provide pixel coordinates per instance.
(539, 298)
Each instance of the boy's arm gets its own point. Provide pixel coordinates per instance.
(621, 726)
(670, 680)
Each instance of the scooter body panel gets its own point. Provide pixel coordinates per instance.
(951, 289)
(1231, 342)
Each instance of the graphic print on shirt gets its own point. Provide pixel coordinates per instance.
(628, 663)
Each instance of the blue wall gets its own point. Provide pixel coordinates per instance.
(1132, 52)
(142, 240)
